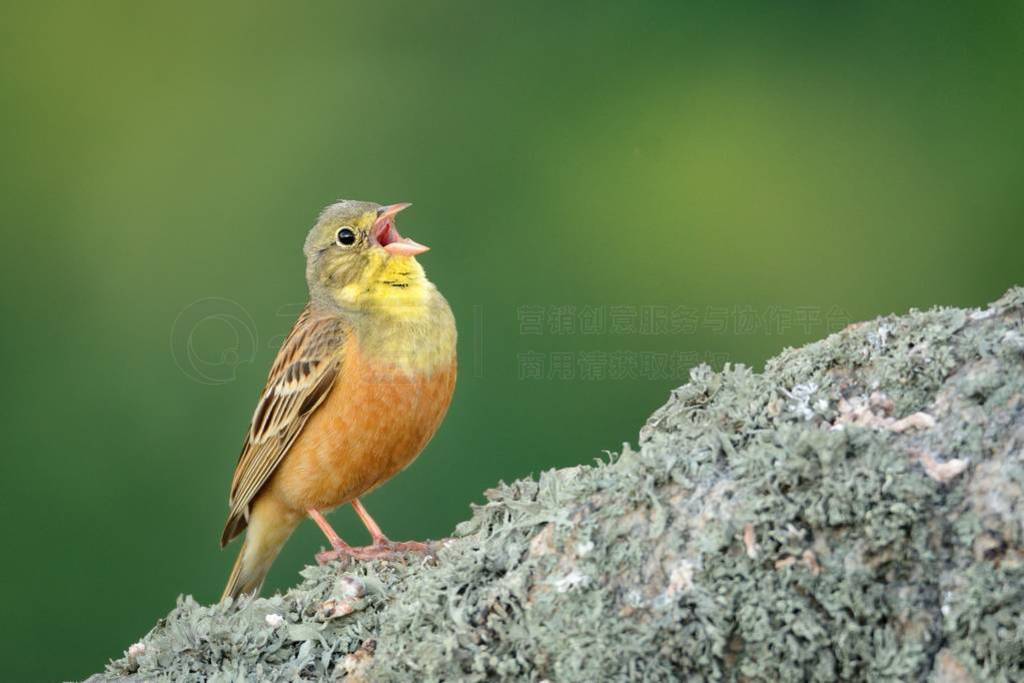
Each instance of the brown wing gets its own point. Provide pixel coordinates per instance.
(301, 377)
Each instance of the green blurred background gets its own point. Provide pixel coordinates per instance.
(715, 181)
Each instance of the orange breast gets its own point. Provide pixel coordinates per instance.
(373, 424)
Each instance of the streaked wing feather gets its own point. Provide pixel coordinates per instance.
(302, 375)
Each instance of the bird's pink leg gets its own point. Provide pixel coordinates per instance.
(371, 525)
(340, 548)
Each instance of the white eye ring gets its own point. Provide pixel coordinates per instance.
(346, 237)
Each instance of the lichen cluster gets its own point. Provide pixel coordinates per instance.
(855, 512)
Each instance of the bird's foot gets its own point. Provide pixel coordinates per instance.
(382, 549)
(338, 553)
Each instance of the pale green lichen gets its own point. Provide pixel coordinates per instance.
(778, 526)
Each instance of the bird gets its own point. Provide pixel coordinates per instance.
(357, 390)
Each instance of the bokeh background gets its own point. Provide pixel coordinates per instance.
(613, 193)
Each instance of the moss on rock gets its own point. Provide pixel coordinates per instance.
(854, 512)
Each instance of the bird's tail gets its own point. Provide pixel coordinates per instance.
(270, 525)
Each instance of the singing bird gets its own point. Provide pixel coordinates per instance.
(357, 390)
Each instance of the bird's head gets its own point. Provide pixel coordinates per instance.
(357, 261)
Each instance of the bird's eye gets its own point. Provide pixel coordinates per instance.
(346, 237)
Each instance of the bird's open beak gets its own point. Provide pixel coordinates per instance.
(387, 235)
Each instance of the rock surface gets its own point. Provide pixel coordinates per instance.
(854, 512)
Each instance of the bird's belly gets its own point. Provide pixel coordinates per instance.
(374, 423)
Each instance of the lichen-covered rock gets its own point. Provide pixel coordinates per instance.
(856, 512)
